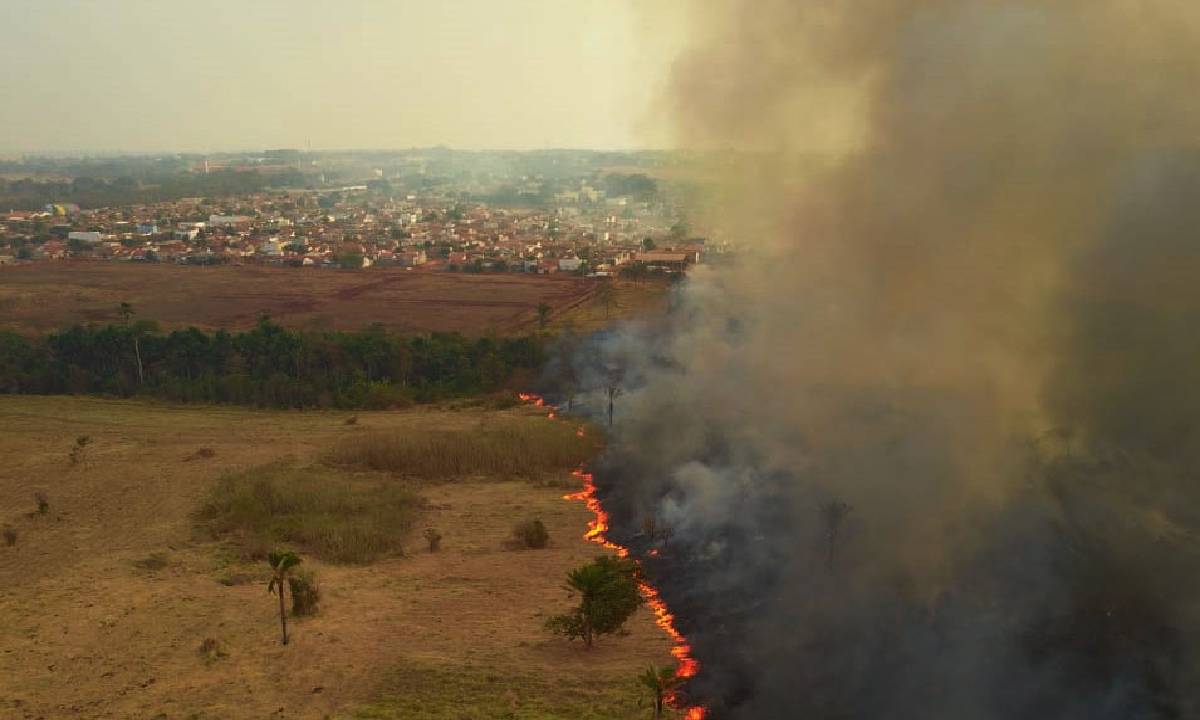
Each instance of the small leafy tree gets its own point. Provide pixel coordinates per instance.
(660, 681)
(43, 503)
(282, 564)
(608, 595)
(543, 315)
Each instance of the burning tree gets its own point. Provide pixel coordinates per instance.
(660, 681)
(608, 595)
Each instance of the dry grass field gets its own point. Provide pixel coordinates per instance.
(106, 598)
(44, 296)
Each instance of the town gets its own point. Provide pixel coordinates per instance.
(416, 210)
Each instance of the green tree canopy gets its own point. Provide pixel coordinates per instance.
(608, 594)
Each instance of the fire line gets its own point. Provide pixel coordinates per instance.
(686, 665)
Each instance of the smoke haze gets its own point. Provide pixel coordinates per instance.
(929, 449)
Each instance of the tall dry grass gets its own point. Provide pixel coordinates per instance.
(521, 446)
(341, 519)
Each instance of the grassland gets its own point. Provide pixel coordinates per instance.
(45, 296)
(503, 447)
(108, 597)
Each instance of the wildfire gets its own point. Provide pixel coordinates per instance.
(686, 665)
(535, 400)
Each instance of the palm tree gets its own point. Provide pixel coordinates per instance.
(660, 681)
(281, 566)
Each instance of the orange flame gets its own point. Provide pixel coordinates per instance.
(686, 665)
(536, 400)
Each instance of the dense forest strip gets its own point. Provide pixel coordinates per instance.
(266, 366)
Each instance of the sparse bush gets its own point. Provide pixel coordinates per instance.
(152, 562)
(212, 650)
(501, 401)
(434, 538)
(77, 451)
(203, 453)
(306, 594)
(10, 536)
(230, 577)
(43, 503)
(528, 447)
(352, 420)
(340, 519)
(531, 534)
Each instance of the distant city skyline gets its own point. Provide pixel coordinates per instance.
(132, 76)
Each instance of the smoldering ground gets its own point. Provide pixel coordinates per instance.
(930, 448)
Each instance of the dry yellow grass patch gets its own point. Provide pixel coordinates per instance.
(108, 599)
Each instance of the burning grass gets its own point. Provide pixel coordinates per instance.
(350, 520)
(510, 447)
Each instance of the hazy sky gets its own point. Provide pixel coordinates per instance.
(158, 75)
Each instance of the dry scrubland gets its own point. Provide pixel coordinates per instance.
(47, 296)
(146, 551)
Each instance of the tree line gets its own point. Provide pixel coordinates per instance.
(90, 192)
(266, 366)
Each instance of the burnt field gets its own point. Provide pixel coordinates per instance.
(45, 296)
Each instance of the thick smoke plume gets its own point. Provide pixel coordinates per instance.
(930, 448)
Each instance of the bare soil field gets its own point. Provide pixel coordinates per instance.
(44, 296)
(106, 598)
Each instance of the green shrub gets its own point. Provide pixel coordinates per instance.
(336, 518)
(608, 595)
(531, 534)
(305, 593)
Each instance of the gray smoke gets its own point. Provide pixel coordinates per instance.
(928, 450)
